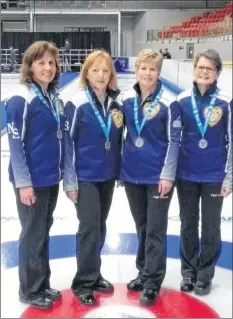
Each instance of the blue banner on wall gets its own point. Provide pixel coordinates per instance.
(121, 64)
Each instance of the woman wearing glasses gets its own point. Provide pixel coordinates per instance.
(204, 170)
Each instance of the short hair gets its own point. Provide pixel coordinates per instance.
(213, 56)
(90, 59)
(148, 54)
(35, 52)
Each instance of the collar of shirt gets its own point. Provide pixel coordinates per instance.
(50, 94)
(109, 92)
(212, 88)
(152, 96)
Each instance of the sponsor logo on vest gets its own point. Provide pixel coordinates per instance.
(159, 197)
(177, 122)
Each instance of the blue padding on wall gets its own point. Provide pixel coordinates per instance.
(121, 65)
(66, 78)
(171, 86)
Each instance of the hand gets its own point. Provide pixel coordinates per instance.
(225, 191)
(27, 195)
(164, 187)
(73, 196)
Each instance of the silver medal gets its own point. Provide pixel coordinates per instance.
(203, 143)
(139, 142)
(59, 134)
(107, 145)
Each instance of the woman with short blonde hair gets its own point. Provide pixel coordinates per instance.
(148, 169)
(148, 55)
(92, 160)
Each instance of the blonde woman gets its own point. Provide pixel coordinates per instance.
(35, 123)
(148, 171)
(92, 158)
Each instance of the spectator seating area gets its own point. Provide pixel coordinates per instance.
(207, 24)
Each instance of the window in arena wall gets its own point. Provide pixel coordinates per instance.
(14, 25)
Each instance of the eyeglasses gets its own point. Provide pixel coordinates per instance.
(202, 68)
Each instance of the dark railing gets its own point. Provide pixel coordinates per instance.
(74, 58)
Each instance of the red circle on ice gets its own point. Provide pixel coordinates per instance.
(125, 304)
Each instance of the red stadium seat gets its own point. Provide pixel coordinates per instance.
(208, 23)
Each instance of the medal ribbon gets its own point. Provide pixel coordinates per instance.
(203, 128)
(54, 111)
(149, 110)
(106, 129)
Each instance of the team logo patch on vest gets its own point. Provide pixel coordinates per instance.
(117, 118)
(154, 112)
(215, 116)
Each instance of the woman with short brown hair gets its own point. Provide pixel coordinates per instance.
(204, 171)
(35, 52)
(35, 125)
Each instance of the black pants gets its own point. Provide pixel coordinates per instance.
(36, 221)
(93, 206)
(199, 262)
(150, 213)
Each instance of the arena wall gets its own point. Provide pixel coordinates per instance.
(134, 26)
